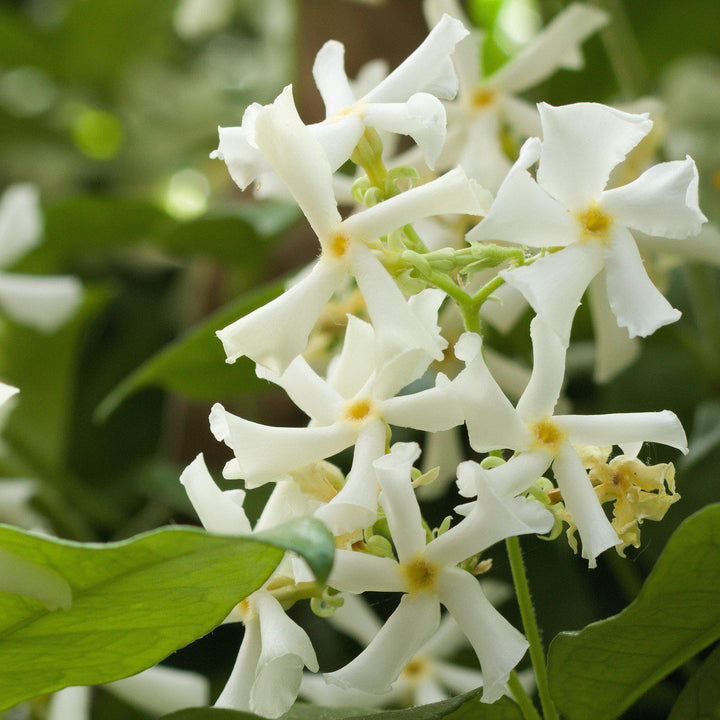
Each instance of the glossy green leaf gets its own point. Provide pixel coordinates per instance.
(194, 365)
(700, 698)
(462, 707)
(133, 602)
(598, 672)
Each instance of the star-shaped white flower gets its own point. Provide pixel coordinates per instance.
(541, 439)
(353, 406)
(484, 104)
(276, 333)
(405, 102)
(428, 576)
(568, 207)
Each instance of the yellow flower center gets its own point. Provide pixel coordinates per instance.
(416, 669)
(548, 436)
(594, 223)
(358, 410)
(420, 575)
(338, 244)
(482, 98)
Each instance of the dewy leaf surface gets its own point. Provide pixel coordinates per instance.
(463, 707)
(133, 602)
(598, 672)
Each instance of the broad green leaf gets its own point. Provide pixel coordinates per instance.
(598, 672)
(462, 707)
(133, 602)
(700, 698)
(194, 365)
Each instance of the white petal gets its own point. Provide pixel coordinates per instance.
(549, 49)
(498, 645)
(554, 284)
(285, 650)
(398, 499)
(595, 530)
(581, 145)
(614, 348)
(422, 117)
(482, 156)
(458, 678)
(447, 641)
(286, 501)
(662, 201)
(523, 117)
(236, 693)
(276, 333)
(356, 619)
(21, 222)
(431, 410)
(161, 690)
(428, 691)
(704, 247)
(379, 665)
(313, 395)
(256, 446)
(426, 68)
(358, 572)
(70, 703)
(338, 137)
(543, 390)
(636, 303)
(509, 479)
(494, 518)
(350, 370)
(491, 420)
(244, 161)
(403, 343)
(451, 193)
(511, 376)
(355, 506)
(42, 302)
(523, 213)
(220, 512)
(6, 392)
(619, 428)
(316, 690)
(300, 161)
(330, 78)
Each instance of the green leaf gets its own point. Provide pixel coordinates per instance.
(598, 672)
(462, 707)
(194, 365)
(700, 698)
(133, 602)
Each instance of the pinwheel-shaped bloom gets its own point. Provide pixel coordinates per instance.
(158, 691)
(569, 207)
(542, 440)
(485, 104)
(428, 575)
(44, 303)
(353, 406)
(404, 102)
(276, 333)
(268, 670)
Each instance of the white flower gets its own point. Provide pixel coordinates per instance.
(542, 440)
(485, 104)
(43, 303)
(568, 207)
(276, 333)
(158, 691)
(428, 575)
(268, 670)
(405, 102)
(353, 406)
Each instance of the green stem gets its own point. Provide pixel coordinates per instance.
(522, 698)
(537, 654)
(487, 289)
(415, 239)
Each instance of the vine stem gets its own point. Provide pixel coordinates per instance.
(522, 698)
(537, 654)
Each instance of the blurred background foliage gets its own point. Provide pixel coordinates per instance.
(111, 108)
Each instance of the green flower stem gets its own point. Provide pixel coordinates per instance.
(521, 698)
(537, 654)
(415, 239)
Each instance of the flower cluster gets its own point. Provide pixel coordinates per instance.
(499, 204)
